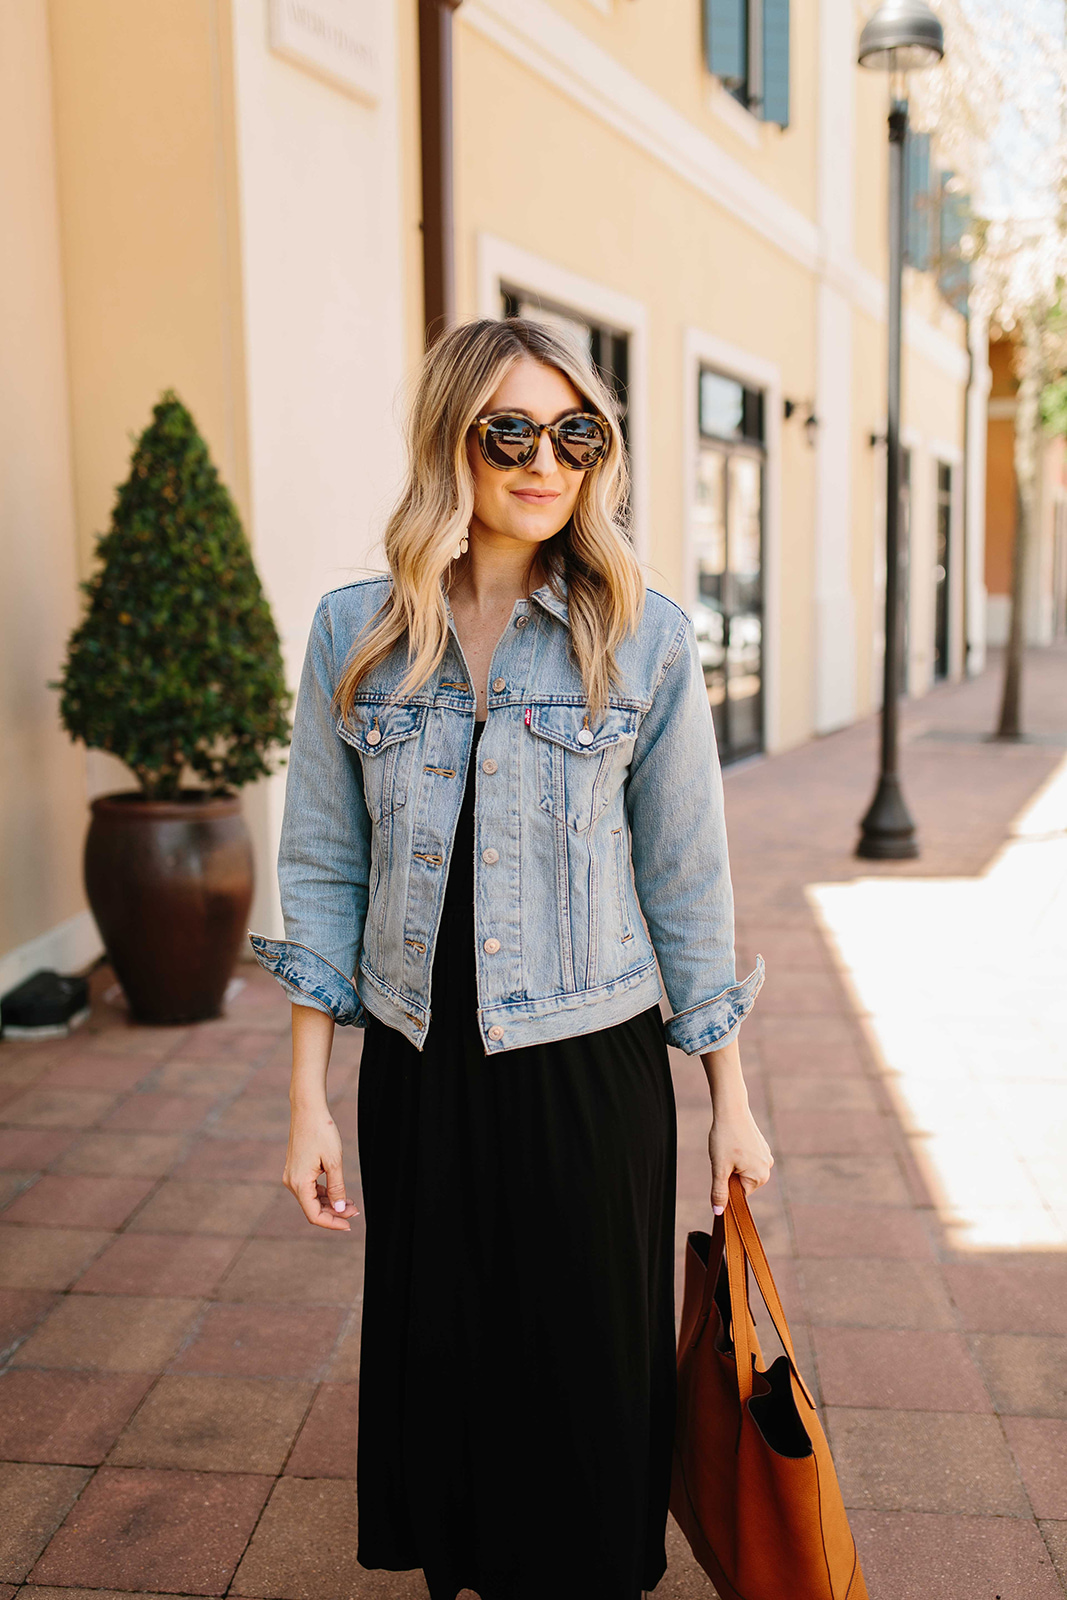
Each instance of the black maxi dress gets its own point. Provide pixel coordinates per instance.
(517, 1367)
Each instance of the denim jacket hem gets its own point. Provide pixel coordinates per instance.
(714, 1022)
(396, 1010)
(309, 979)
(546, 1021)
(526, 1022)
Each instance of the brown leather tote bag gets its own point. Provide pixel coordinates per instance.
(753, 1488)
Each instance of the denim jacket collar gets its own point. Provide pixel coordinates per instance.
(552, 597)
(553, 601)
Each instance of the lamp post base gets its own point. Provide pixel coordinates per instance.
(888, 831)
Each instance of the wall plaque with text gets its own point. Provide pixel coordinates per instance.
(338, 40)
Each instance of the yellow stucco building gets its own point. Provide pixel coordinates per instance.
(223, 197)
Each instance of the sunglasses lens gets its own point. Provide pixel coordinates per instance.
(582, 441)
(510, 441)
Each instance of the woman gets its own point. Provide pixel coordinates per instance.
(503, 773)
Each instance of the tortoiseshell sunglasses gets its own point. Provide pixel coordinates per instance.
(510, 439)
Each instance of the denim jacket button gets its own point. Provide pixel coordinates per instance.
(499, 685)
(585, 736)
(374, 736)
(496, 1033)
(490, 856)
(491, 946)
(489, 766)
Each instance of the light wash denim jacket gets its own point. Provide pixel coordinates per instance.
(600, 844)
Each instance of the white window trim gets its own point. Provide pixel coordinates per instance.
(735, 116)
(941, 450)
(501, 263)
(706, 349)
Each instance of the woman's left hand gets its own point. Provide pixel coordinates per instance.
(735, 1143)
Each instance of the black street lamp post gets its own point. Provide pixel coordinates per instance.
(902, 35)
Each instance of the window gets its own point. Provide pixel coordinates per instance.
(728, 517)
(918, 201)
(746, 45)
(941, 568)
(608, 347)
(937, 220)
(955, 221)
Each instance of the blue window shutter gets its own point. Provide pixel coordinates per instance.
(918, 200)
(726, 40)
(775, 107)
(954, 273)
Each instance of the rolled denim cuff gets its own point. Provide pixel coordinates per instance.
(309, 979)
(714, 1022)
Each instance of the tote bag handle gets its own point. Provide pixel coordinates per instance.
(743, 1242)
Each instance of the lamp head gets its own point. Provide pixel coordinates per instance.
(901, 36)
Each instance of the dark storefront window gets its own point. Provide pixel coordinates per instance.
(904, 568)
(608, 346)
(944, 537)
(728, 616)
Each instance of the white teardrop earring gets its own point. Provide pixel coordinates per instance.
(461, 548)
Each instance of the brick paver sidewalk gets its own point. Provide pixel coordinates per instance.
(177, 1394)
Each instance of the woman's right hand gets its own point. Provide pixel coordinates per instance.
(314, 1152)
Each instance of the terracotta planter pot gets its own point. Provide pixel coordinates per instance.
(170, 885)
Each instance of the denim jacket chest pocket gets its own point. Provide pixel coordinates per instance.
(385, 735)
(581, 759)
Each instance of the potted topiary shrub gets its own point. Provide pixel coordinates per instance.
(176, 669)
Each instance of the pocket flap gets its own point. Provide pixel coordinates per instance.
(566, 726)
(373, 727)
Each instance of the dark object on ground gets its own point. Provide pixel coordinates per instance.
(170, 884)
(46, 1005)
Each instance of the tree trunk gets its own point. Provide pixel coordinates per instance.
(1030, 366)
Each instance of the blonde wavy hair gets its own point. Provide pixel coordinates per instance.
(592, 554)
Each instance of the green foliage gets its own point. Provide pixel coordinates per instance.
(176, 663)
(1054, 406)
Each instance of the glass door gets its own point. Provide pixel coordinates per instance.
(904, 571)
(744, 628)
(728, 536)
(944, 532)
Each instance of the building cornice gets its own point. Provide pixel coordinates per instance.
(562, 55)
(566, 57)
